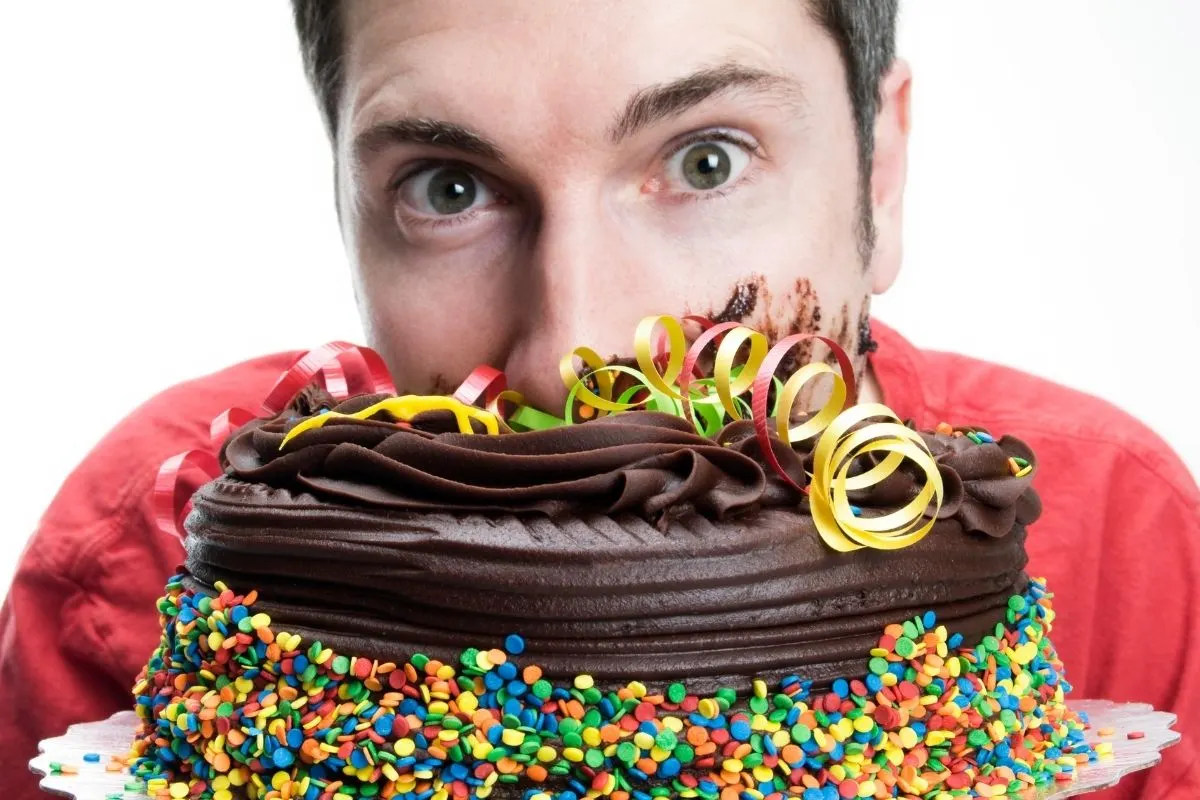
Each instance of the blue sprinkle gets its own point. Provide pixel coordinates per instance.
(856, 511)
(507, 670)
(295, 737)
(283, 758)
(514, 644)
(841, 688)
(955, 640)
(984, 437)
(669, 768)
(384, 725)
(516, 688)
(929, 620)
(707, 786)
(493, 681)
(457, 771)
(873, 683)
(740, 730)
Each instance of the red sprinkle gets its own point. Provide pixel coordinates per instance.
(1136, 735)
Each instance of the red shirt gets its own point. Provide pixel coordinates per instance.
(1119, 542)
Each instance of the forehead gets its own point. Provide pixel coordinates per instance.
(567, 63)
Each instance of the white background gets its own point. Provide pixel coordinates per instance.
(158, 160)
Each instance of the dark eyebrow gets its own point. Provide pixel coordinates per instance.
(422, 130)
(662, 101)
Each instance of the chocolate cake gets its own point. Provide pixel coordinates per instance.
(383, 604)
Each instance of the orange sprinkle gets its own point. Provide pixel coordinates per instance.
(536, 773)
(647, 765)
(497, 657)
(531, 674)
(696, 735)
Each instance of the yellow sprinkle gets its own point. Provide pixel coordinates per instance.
(260, 621)
(546, 754)
(467, 702)
(403, 747)
(760, 690)
(863, 724)
(512, 737)
(708, 708)
(591, 737)
(584, 682)
(637, 689)
(572, 754)
(732, 765)
(178, 790)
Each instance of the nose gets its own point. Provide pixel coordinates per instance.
(588, 285)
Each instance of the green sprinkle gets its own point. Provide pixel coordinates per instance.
(676, 692)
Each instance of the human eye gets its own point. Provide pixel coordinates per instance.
(707, 162)
(438, 195)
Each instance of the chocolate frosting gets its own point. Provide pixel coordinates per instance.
(628, 547)
(651, 464)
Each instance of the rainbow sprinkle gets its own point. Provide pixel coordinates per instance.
(230, 707)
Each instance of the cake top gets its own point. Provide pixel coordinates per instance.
(662, 438)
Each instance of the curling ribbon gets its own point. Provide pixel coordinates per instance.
(836, 452)
(403, 409)
(168, 486)
(172, 497)
(667, 366)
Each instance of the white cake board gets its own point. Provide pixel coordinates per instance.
(112, 737)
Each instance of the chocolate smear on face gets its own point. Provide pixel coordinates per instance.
(866, 343)
(742, 302)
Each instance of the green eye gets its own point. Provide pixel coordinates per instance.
(706, 166)
(451, 191)
(443, 191)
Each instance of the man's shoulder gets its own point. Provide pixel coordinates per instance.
(1058, 421)
(119, 470)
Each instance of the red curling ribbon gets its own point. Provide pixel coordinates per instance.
(333, 377)
(762, 386)
(225, 423)
(307, 366)
(484, 382)
(326, 363)
(168, 486)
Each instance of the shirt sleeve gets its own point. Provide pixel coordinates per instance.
(1146, 623)
(78, 620)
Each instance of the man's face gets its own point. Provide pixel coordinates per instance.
(517, 179)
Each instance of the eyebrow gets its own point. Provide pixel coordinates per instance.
(646, 107)
(662, 101)
(423, 130)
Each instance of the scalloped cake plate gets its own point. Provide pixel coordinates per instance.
(111, 737)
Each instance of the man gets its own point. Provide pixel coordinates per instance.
(514, 179)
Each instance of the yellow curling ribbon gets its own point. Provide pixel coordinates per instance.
(791, 390)
(836, 452)
(644, 351)
(728, 387)
(596, 367)
(403, 409)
